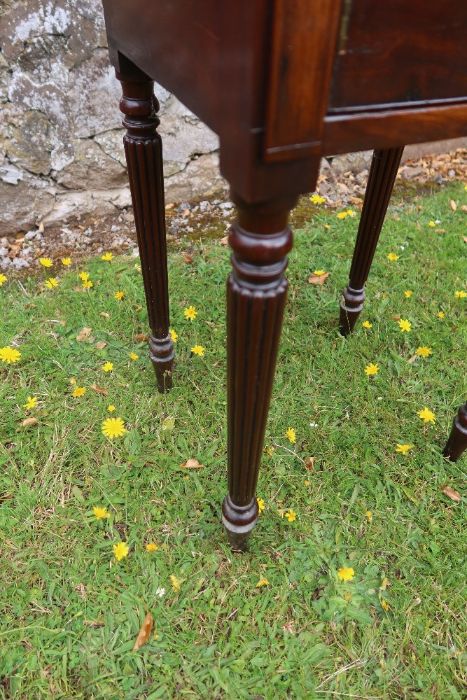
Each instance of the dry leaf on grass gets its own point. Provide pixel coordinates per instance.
(452, 494)
(84, 334)
(318, 279)
(187, 257)
(99, 389)
(140, 337)
(101, 345)
(29, 422)
(224, 240)
(309, 463)
(192, 464)
(104, 314)
(453, 204)
(144, 633)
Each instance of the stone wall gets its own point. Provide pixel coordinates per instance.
(60, 127)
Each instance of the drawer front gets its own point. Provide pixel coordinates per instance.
(399, 53)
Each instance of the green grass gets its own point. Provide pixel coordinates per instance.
(69, 613)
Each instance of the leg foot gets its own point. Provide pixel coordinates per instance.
(381, 179)
(143, 151)
(239, 521)
(457, 441)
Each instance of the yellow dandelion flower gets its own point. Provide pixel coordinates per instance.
(317, 199)
(345, 573)
(113, 428)
(51, 283)
(173, 335)
(107, 367)
(385, 605)
(176, 583)
(9, 355)
(262, 582)
(291, 435)
(369, 515)
(45, 262)
(319, 273)
(66, 262)
(119, 296)
(342, 215)
(371, 369)
(441, 315)
(426, 415)
(431, 224)
(100, 512)
(151, 547)
(350, 212)
(107, 257)
(78, 392)
(403, 448)
(261, 504)
(198, 350)
(392, 257)
(111, 408)
(30, 403)
(3, 279)
(367, 324)
(405, 325)
(87, 284)
(460, 294)
(120, 550)
(133, 356)
(190, 313)
(290, 515)
(408, 293)
(423, 351)
(83, 276)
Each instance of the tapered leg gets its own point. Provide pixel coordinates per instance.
(383, 172)
(143, 150)
(457, 441)
(256, 292)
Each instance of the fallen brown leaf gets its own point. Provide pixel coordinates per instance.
(144, 633)
(452, 494)
(101, 345)
(318, 279)
(224, 240)
(465, 239)
(28, 422)
(187, 258)
(104, 314)
(453, 204)
(99, 389)
(309, 463)
(140, 337)
(192, 464)
(84, 334)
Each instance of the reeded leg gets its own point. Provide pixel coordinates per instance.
(143, 150)
(383, 172)
(457, 441)
(256, 291)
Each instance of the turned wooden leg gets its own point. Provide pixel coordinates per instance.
(457, 441)
(383, 172)
(143, 150)
(256, 292)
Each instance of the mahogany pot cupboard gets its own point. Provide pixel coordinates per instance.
(283, 83)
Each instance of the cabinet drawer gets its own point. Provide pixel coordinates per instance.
(399, 53)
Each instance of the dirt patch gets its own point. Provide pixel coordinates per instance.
(83, 237)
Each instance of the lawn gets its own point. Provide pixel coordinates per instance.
(70, 612)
